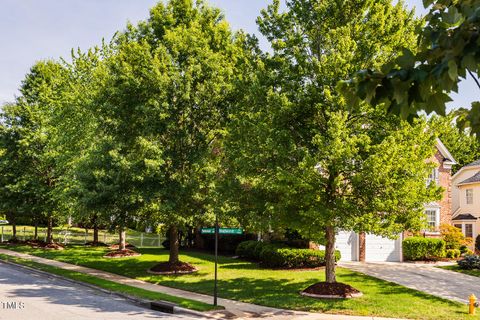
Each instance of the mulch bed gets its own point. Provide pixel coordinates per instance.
(116, 246)
(169, 268)
(53, 246)
(121, 254)
(331, 290)
(97, 244)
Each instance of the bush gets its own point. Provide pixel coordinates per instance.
(469, 252)
(452, 236)
(245, 248)
(452, 253)
(477, 243)
(463, 249)
(275, 257)
(469, 262)
(279, 256)
(418, 248)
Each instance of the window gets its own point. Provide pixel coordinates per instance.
(469, 196)
(433, 176)
(459, 226)
(469, 230)
(431, 217)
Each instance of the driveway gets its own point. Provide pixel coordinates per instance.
(29, 295)
(423, 277)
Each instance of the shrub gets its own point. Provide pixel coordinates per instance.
(245, 249)
(463, 249)
(469, 252)
(418, 248)
(452, 236)
(277, 257)
(477, 243)
(452, 253)
(469, 262)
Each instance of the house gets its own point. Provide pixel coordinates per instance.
(466, 199)
(369, 247)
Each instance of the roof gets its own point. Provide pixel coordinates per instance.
(465, 216)
(447, 156)
(472, 179)
(474, 163)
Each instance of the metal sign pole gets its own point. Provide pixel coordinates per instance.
(216, 261)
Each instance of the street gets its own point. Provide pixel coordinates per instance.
(29, 295)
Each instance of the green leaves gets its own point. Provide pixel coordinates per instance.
(448, 50)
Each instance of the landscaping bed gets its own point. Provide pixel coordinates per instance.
(121, 254)
(331, 290)
(246, 281)
(172, 268)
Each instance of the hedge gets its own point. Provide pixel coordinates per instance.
(279, 256)
(418, 248)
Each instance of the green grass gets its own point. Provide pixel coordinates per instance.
(245, 281)
(455, 268)
(112, 286)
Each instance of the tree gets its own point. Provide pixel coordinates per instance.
(462, 145)
(162, 105)
(325, 166)
(28, 130)
(421, 79)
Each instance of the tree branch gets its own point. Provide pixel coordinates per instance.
(474, 78)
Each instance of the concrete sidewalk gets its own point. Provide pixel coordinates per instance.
(233, 309)
(422, 277)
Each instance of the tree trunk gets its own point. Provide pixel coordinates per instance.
(173, 259)
(35, 234)
(14, 229)
(49, 229)
(95, 229)
(330, 255)
(122, 238)
(95, 233)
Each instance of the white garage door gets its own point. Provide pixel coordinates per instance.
(347, 243)
(382, 249)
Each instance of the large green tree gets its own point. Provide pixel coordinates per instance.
(421, 79)
(28, 129)
(464, 146)
(167, 89)
(325, 166)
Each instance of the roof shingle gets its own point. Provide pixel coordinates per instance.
(472, 179)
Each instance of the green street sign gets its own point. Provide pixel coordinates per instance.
(222, 231)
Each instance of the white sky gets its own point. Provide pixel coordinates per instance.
(32, 30)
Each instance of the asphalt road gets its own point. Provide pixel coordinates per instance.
(28, 295)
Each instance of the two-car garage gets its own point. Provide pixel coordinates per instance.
(376, 248)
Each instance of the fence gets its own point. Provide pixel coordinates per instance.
(74, 237)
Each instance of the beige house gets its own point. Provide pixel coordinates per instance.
(466, 199)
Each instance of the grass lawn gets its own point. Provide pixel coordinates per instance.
(112, 286)
(247, 282)
(456, 268)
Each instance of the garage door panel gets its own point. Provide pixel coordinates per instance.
(382, 249)
(347, 243)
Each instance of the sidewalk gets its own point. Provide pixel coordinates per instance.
(233, 309)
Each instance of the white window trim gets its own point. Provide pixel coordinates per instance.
(437, 218)
(463, 223)
(467, 197)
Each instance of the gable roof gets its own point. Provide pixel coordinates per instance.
(473, 164)
(472, 179)
(447, 156)
(465, 216)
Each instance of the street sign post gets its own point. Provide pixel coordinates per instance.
(218, 231)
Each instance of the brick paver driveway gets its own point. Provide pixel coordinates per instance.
(423, 277)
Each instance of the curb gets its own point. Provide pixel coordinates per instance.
(159, 305)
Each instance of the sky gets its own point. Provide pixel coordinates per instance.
(33, 30)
